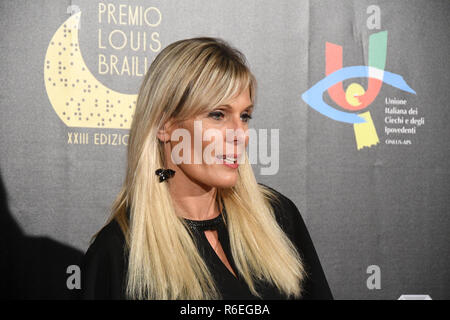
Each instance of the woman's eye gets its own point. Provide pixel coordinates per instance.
(217, 115)
(246, 117)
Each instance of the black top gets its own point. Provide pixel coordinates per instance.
(104, 264)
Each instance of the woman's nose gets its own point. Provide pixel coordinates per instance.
(236, 132)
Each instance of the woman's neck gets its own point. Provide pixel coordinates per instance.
(193, 201)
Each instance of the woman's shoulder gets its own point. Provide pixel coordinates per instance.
(282, 199)
(291, 221)
(109, 238)
(285, 210)
(104, 263)
(110, 232)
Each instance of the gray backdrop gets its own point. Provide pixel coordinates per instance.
(385, 205)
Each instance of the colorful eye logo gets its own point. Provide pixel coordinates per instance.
(354, 98)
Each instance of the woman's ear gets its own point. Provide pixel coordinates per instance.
(165, 131)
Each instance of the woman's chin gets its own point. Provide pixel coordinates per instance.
(225, 179)
(217, 175)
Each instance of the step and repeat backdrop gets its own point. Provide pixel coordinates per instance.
(352, 100)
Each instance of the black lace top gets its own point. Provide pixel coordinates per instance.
(104, 265)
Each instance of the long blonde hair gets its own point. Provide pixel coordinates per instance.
(185, 79)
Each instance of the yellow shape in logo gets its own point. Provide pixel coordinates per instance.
(77, 97)
(352, 92)
(365, 133)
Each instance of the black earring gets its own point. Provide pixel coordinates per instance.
(164, 174)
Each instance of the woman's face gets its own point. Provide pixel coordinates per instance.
(215, 143)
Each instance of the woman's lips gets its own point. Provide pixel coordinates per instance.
(229, 160)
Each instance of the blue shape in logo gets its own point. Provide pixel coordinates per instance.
(313, 96)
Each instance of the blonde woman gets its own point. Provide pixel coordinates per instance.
(181, 228)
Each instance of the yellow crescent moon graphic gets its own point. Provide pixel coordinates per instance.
(77, 97)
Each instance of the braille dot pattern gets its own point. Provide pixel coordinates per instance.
(78, 98)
